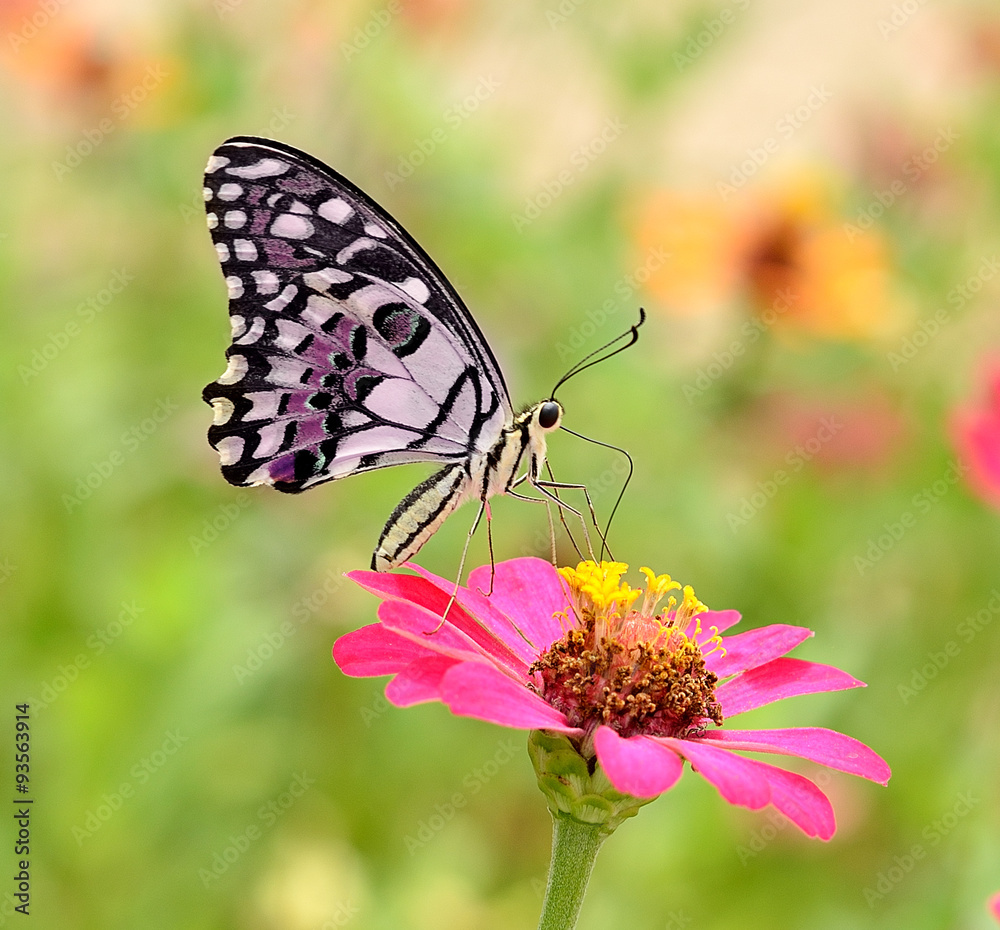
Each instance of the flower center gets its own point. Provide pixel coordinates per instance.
(631, 669)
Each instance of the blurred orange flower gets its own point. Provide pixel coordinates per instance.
(782, 248)
(81, 65)
(983, 40)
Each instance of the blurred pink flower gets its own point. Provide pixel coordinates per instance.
(858, 431)
(635, 689)
(977, 436)
(994, 905)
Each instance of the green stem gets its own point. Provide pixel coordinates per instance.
(574, 849)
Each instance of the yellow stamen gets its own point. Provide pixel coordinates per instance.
(623, 665)
(600, 584)
(656, 587)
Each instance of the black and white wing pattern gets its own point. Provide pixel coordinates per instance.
(350, 350)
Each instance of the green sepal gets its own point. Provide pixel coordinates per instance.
(575, 785)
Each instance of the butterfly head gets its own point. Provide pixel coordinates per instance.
(548, 415)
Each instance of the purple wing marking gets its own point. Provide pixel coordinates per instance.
(350, 350)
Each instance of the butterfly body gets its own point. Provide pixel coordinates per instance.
(350, 349)
(424, 509)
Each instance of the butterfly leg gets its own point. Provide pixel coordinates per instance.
(563, 506)
(563, 486)
(461, 565)
(489, 540)
(552, 532)
(550, 490)
(562, 520)
(548, 511)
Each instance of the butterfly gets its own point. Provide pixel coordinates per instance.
(351, 351)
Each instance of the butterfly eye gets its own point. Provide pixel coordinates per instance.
(549, 415)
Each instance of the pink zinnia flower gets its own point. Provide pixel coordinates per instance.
(579, 653)
(977, 436)
(995, 905)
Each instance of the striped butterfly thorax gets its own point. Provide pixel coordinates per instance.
(350, 349)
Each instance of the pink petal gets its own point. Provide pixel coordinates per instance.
(420, 681)
(995, 905)
(779, 679)
(740, 781)
(427, 630)
(754, 648)
(423, 593)
(827, 747)
(485, 612)
(474, 689)
(801, 802)
(530, 592)
(637, 765)
(375, 650)
(722, 620)
(400, 587)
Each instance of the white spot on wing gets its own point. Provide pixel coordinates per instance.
(267, 281)
(351, 418)
(222, 410)
(286, 371)
(377, 231)
(236, 370)
(282, 300)
(336, 210)
(230, 191)
(254, 333)
(322, 279)
(215, 162)
(212, 220)
(299, 207)
(380, 358)
(235, 219)
(237, 324)
(222, 250)
(318, 310)
(230, 449)
(402, 402)
(264, 405)
(416, 289)
(366, 300)
(356, 246)
(290, 334)
(372, 440)
(292, 226)
(260, 476)
(246, 251)
(206, 192)
(235, 285)
(270, 440)
(265, 168)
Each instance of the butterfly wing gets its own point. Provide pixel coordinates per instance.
(350, 350)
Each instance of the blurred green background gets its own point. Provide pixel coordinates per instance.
(804, 196)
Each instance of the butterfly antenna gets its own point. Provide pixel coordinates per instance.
(632, 334)
(621, 494)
